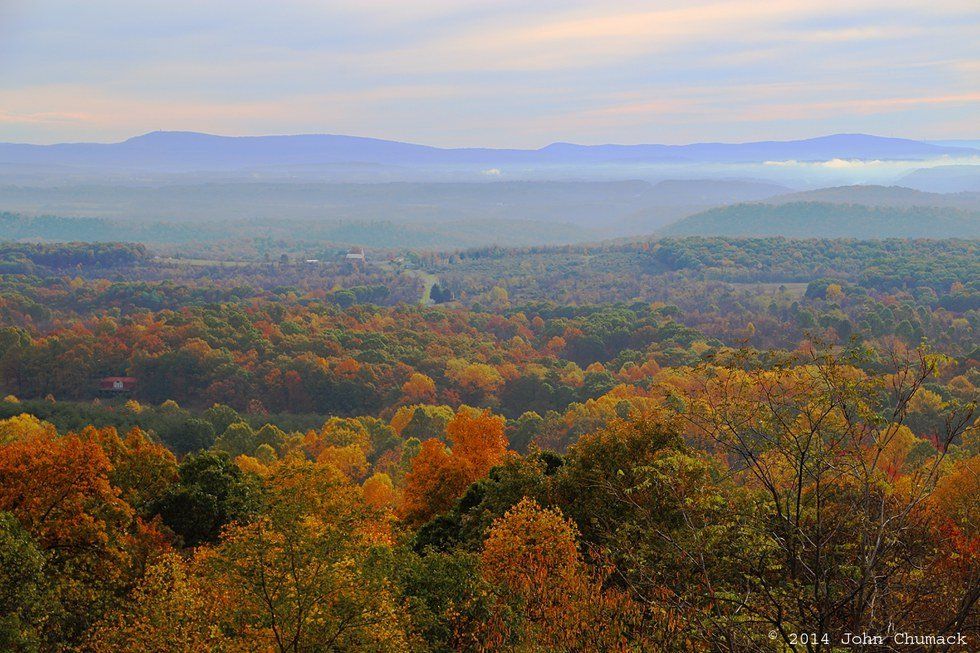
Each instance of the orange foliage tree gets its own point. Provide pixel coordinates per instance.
(60, 490)
(532, 557)
(440, 475)
(419, 389)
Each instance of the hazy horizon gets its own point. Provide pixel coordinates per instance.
(705, 105)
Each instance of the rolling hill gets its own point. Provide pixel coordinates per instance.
(869, 195)
(945, 179)
(828, 220)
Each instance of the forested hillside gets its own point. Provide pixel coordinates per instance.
(896, 196)
(825, 220)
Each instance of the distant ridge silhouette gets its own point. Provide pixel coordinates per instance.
(164, 150)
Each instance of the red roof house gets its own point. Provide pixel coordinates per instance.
(117, 384)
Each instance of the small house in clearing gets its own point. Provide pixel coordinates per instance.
(355, 255)
(117, 384)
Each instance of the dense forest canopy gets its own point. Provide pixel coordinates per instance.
(686, 444)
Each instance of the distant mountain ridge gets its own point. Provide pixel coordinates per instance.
(188, 151)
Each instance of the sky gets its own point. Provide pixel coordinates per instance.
(496, 73)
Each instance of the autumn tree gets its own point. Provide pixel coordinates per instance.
(419, 389)
(477, 381)
(171, 610)
(306, 575)
(439, 475)
(349, 460)
(379, 492)
(434, 482)
(518, 477)
(142, 469)
(949, 592)
(478, 440)
(24, 426)
(59, 489)
(553, 600)
(823, 445)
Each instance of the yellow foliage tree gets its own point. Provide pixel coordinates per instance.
(24, 426)
(302, 577)
(170, 611)
(349, 461)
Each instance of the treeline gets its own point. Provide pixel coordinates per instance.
(293, 235)
(879, 264)
(25, 258)
(876, 264)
